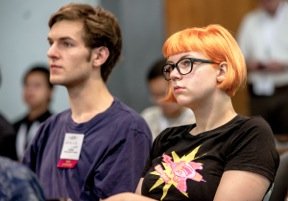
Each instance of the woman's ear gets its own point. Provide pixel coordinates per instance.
(100, 55)
(222, 71)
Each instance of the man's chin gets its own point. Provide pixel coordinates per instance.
(55, 81)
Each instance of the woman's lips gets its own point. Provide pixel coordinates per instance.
(178, 89)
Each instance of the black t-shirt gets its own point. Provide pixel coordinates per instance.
(187, 167)
(28, 123)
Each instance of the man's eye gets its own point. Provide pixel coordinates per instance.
(67, 44)
(50, 43)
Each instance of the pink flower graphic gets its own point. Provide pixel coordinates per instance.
(175, 171)
(182, 171)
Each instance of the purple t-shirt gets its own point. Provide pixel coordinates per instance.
(116, 145)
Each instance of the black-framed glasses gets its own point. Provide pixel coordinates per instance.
(184, 66)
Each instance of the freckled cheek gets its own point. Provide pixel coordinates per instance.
(198, 80)
(191, 81)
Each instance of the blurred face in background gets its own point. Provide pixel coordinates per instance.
(158, 88)
(270, 5)
(36, 91)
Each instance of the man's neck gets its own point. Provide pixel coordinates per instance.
(88, 101)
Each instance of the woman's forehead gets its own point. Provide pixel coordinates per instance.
(176, 57)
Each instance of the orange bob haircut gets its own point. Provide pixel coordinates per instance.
(218, 45)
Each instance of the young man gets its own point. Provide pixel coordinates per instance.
(37, 95)
(99, 146)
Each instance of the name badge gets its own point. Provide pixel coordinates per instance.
(71, 149)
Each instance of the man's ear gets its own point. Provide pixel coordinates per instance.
(100, 55)
(222, 72)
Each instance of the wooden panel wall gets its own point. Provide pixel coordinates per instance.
(180, 14)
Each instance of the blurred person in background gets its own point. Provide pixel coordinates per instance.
(263, 40)
(37, 95)
(7, 139)
(17, 182)
(7, 136)
(162, 114)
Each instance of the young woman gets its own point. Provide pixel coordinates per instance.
(224, 156)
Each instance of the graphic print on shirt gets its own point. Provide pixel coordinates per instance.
(177, 171)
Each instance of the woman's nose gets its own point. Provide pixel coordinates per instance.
(174, 74)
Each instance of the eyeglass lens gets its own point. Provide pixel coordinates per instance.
(183, 66)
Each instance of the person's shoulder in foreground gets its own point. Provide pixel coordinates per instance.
(17, 182)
